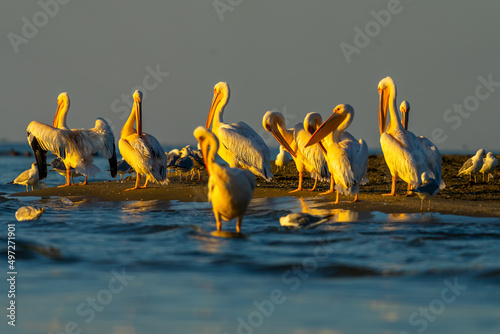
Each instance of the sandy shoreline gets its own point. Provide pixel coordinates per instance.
(460, 197)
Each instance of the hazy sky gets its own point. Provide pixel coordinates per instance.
(285, 55)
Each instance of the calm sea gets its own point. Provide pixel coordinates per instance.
(155, 267)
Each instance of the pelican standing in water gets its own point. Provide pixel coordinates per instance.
(142, 151)
(347, 159)
(240, 145)
(309, 159)
(75, 147)
(403, 152)
(229, 189)
(434, 160)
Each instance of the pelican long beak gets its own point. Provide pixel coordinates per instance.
(138, 116)
(406, 117)
(382, 110)
(279, 137)
(327, 127)
(55, 124)
(215, 102)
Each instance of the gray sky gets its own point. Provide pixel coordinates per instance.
(281, 54)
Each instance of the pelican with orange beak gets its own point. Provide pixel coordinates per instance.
(75, 147)
(229, 189)
(240, 145)
(140, 150)
(347, 159)
(309, 159)
(403, 152)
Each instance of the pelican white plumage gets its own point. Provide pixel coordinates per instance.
(240, 145)
(347, 159)
(473, 165)
(403, 152)
(434, 160)
(142, 151)
(75, 147)
(282, 159)
(490, 163)
(428, 189)
(229, 189)
(309, 159)
(28, 177)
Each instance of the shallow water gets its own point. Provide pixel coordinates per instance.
(155, 266)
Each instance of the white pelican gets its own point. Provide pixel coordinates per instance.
(229, 189)
(473, 165)
(75, 147)
(347, 159)
(28, 213)
(28, 177)
(428, 189)
(434, 160)
(309, 159)
(490, 163)
(142, 151)
(402, 151)
(282, 158)
(240, 145)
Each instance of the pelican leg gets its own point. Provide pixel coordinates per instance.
(315, 183)
(393, 188)
(409, 190)
(332, 186)
(27, 189)
(218, 222)
(356, 199)
(145, 184)
(238, 224)
(337, 200)
(68, 172)
(84, 182)
(301, 178)
(137, 181)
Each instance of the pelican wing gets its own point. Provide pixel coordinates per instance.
(433, 159)
(247, 146)
(157, 153)
(313, 154)
(43, 138)
(358, 155)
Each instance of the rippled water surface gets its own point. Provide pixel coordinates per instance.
(156, 267)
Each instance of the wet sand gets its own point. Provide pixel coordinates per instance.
(460, 196)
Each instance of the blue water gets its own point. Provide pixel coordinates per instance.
(155, 267)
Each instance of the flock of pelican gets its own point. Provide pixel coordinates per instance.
(323, 149)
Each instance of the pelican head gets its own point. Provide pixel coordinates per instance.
(208, 143)
(312, 121)
(62, 109)
(340, 119)
(219, 101)
(272, 122)
(405, 112)
(138, 110)
(386, 86)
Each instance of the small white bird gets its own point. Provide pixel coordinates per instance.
(490, 163)
(473, 165)
(303, 220)
(122, 168)
(282, 159)
(229, 189)
(428, 189)
(58, 166)
(28, 177)
(28, 213)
